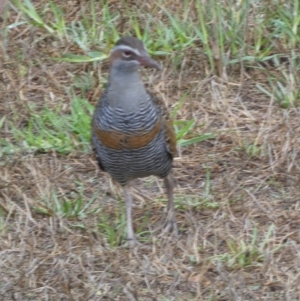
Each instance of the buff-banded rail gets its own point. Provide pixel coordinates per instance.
(132, 134)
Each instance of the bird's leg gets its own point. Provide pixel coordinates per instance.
(170, 222)
(128, 203)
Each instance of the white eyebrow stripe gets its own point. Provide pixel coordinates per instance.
(124, 47)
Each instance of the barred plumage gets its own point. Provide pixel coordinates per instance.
(126, 164)
(131, 132)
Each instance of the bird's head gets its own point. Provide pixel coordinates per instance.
(130, 53)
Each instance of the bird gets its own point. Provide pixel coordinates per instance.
(132, 133)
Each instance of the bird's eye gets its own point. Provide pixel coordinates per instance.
(126, 53)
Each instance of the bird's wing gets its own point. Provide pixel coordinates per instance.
(170, 136)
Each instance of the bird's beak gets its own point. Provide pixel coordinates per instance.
(147, 61)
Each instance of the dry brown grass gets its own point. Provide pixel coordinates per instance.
(253, 185)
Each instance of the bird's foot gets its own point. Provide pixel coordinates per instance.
(168, 226)
(132, 242)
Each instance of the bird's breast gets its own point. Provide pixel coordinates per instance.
(119, 140)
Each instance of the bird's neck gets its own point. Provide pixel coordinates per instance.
(126, 91)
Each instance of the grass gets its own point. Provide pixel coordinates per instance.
(50, 130)
(243, 254)
(73, 206)
(230, 81)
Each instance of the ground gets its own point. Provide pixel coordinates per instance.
(237, 195)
